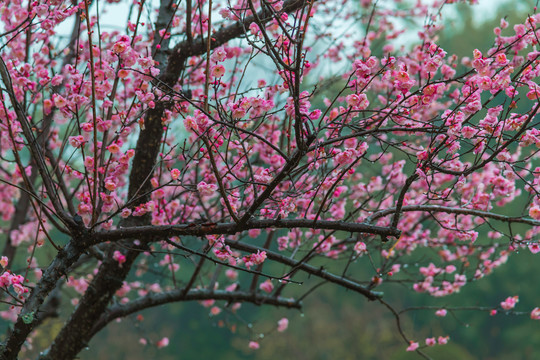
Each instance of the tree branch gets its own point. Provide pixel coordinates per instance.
(58, 268)
(452, 210)
(177, 295)
(310, 269)
(233, 228)
(33, 146)
(197, 47)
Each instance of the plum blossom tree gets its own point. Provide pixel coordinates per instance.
(227, 151)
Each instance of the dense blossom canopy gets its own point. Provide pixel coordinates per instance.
(227, 151)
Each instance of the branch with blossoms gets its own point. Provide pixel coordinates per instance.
(202, 229)
(166, 145)
(507, 307)
(153, 300)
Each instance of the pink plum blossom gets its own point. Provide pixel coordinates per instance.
(283, 324)
(267, 286)
(162, 343)
(413, 346)
(510, 302)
